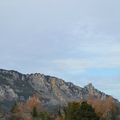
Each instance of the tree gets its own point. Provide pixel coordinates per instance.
(34, 112)
(86, 112)
(70, 110)
(59, 115)
(44, 116)
(77, 111)
(14, 107)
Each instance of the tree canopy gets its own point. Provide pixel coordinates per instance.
(79, 111)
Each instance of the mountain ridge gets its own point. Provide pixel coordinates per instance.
(38, 82)
(51, 91)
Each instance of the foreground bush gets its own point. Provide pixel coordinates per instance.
(78, 111)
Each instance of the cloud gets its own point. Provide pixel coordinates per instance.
(89, 50)
(78, 64)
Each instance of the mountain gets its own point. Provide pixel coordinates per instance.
(51, 91)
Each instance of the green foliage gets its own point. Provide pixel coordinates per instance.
(14, 107)
(44, 116)
(77, 111)
(71, 110)
(34, 112)
(40, 115)
(87, 112)
(59, 115)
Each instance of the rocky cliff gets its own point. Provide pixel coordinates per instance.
(51, 91)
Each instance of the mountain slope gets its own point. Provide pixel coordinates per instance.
(51, 90)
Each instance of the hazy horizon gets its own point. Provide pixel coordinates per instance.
(77, 41)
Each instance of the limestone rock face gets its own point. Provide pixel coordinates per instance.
(92, 91)
(51, 91)
(3, 116)
(7, 93)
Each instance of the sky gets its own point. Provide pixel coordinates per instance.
(76, 40)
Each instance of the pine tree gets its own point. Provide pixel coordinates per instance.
(34, 112)
(77, 111)
(14, 107)
(86, 112)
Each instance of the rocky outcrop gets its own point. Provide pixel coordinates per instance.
(51, 91)
(3, 115)
(7, 93)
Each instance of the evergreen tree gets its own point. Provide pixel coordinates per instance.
(34, 112)
(86, 112)
(44, 116)
(14, 107)
(77, 111)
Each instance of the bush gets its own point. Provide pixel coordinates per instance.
(78, 111)
(14, 108)
(34, 112)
